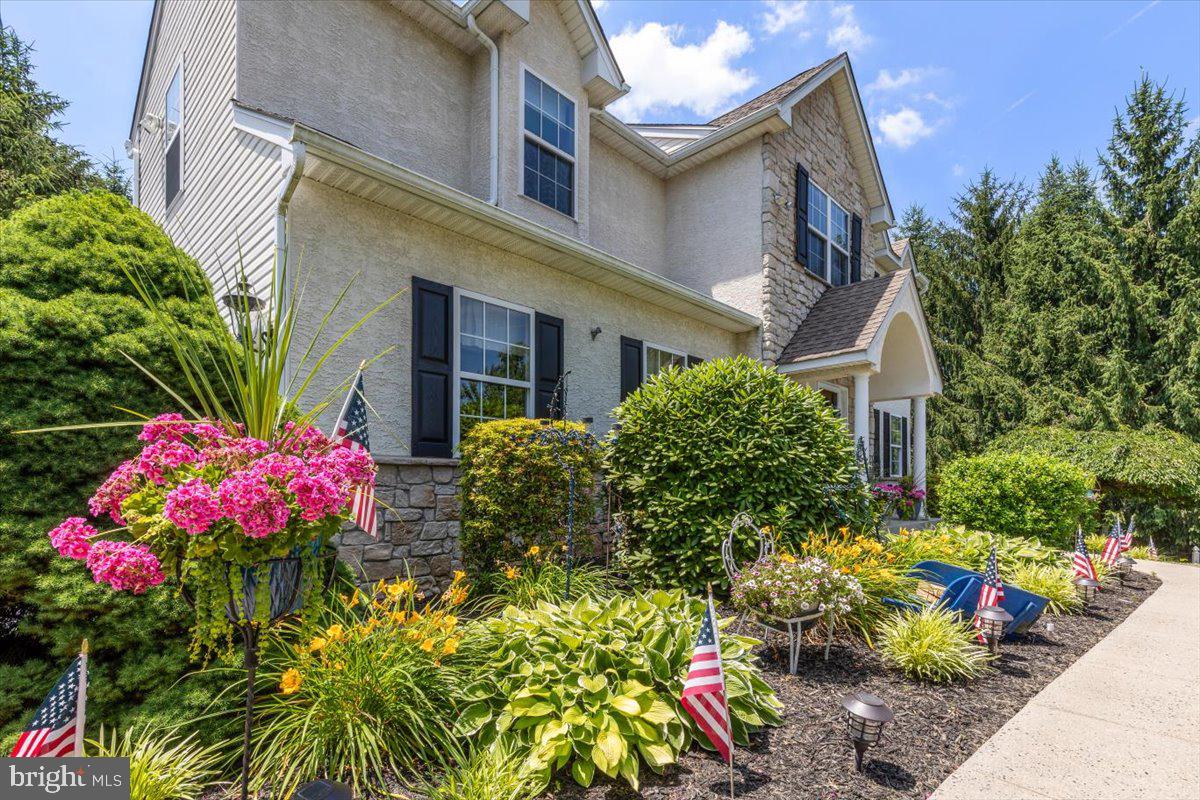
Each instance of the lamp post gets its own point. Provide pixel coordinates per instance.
(1086, 589)
(246, 310)
(866, 715)
(992, 621)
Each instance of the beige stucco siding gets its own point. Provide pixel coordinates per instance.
(230, 179)
(365, 73)
(628, 209)
(341, 235)
(715, 230)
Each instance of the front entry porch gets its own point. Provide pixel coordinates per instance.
(866, 346)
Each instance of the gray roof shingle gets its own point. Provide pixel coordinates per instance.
(845, 319)
(773, 95)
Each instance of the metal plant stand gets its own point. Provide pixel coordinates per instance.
(794, 628)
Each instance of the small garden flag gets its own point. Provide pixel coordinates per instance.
(56, 729)
(1112, 545)
(1127, 539)
(704, 690)
(992, 591)
(1151, 549)
(1084, 568)
(351, 431)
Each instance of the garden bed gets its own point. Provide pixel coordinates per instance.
(936, 727)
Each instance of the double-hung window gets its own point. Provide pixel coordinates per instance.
(173, 136)
(494, 360)
(549, 145)
(659, 358)
(828, 237)
(895, 445)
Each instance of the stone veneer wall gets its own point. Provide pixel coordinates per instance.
(419, 533)
(817, 140)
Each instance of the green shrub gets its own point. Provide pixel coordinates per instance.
(368, 687)
(699, 445)
(67, 314)
(162, 765)
(1152, 471)
(596, 685)
(1016, 494)
(1055, 583)
(933, 645)
(498, 772)
(515, 494)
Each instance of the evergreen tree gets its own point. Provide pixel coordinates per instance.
(33, 164)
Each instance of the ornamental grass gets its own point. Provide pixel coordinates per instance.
(366, 688)
(1055, 583)
(162, 765)
(933, 645)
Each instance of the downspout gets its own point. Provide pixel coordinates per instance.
(494, 110)
(293, 156)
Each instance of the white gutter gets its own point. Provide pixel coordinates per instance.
(493, 113)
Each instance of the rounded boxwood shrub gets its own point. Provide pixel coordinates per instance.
(1016, 494)
(67, 316)
(698, 445)
(514, 494)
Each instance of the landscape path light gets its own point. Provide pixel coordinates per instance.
(992, 621)
(866, 716)
(1124, 567)
(324, 790)
(1086, 589)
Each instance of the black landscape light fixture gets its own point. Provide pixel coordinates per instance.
(246, 309)
(866, 715)
(1124, 567)
(992, 621)
(324, 790)
(1086, 589)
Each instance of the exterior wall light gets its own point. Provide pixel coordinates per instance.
(992, 621)
(866, 716)
(1086, 589)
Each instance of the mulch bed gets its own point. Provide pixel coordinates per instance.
(936, 727)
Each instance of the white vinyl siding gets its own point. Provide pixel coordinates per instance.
(231, 179)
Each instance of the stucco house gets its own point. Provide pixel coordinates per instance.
(466, 154)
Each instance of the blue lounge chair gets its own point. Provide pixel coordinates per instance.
(961, 594)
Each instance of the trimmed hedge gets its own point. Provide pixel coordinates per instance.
(1016, 494)
(699, 445)
(515, 495)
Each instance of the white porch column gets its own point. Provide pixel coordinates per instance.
(918, 446)
(862, 413)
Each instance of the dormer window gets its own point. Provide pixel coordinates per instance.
(828, 237)
(548, 155)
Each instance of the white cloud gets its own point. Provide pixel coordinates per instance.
(1193, 129)
(904, 128)
(665, 74)
(910, 76)
(847, 34)
(957, 170)
(1020, 101)
(783, 14)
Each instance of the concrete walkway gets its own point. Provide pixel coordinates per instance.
(1122, 723)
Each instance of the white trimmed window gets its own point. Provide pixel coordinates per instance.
(658, 358)
(548, 152)
(895, 446)
(837, 396)
(828, 237)
(173, 136)
(493, 361)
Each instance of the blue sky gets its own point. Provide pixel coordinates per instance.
(950, 87)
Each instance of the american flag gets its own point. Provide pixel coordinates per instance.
(351, 431)
(992, 591)
(704, 690)
(1151, 549)
(1127, 539)
(1112, 545)
(1084, 568)
(55, 729)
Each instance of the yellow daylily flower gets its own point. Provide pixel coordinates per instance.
(787, 558)
(291, 681)
(459, 575)
(317, 644)
(427, 645)
(511, 572)
(450, 646)
(335, 633)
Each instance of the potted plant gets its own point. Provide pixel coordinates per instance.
(899, 497)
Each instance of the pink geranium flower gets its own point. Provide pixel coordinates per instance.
(71, 538)
(165, 428)
(124, 566)
(114, 490)
(249, 500)
(159, 458)
(193, 506)
(346, 465)
(318, 496)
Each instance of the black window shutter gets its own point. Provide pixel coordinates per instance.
(548, 360)
(904, 458)
(432, 369)
(876, 442)
(801, 215)
(855, 248)
(694, 360)
(886, 466)
(631, 365)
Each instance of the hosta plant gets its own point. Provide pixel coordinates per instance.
(786, 587)
(162, 765)
(1055, 583)
(933, 645)
(595, 686)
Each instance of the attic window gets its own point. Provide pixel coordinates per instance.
(548, 154)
